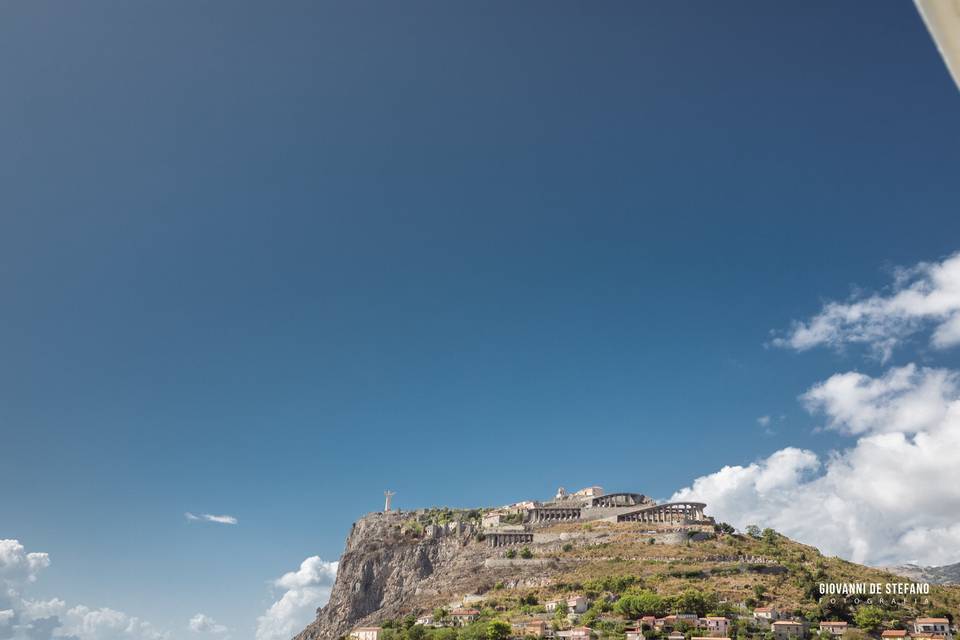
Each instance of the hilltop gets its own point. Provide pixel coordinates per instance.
(627, 560)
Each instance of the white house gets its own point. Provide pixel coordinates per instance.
(939, 626)
(366, 633)
(765, 614)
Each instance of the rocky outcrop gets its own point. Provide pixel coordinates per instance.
(388, 570)
(947, 574)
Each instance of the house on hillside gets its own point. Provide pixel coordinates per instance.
(463, 617)
(765, 615)
(834, 627)
(894, 634)
(530, 629)
(577, 604)
(666, 623)
(787, 629)
(366, 633)
(577, 633)
(936, 626)
(717, 626)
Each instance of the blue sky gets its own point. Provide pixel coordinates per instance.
(270, 261)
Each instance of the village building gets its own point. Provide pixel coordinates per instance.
(462, 617)
(765, 614)
(491, 519)
(690, 618)
(787, 629)
(577, 633)
(676, 635)
(530, 628)
(717, 626)
(936, 626)
(666, 623)
(834, 627)
(577, 604)
(366, 633)
(425, 620)
(894, 634)
(648, 621)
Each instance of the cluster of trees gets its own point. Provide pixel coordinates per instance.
(642, 602)
(407, 629)
(525, 553)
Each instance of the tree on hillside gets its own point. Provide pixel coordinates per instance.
(753, 531)
(498, 630)
(870, 619)
(475, 631)
(642, 603)
(417, 632)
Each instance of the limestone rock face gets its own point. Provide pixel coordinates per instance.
(386, 570)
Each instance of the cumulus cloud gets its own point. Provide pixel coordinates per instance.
(22, 618)
(209, 517)
(924, 296)
(18, 566)
(893, 496)
(303, 591)
(202, 623)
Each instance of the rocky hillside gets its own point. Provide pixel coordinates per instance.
(398, 564)
(947, 574)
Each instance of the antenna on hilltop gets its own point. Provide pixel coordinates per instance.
(386, 505)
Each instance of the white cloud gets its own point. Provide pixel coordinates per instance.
(926, 295)
(209, 517)
(892, 497)
(904, 399)
(18, 566)
(202, 623)
(303, 591)
(763, 421)
(107, 624)
(22, 618)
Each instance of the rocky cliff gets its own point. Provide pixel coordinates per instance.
(390, 568)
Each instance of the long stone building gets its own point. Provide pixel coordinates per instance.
(589, 504)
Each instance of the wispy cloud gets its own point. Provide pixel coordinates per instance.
(209, 517)
(202, 623)
(924, 296)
